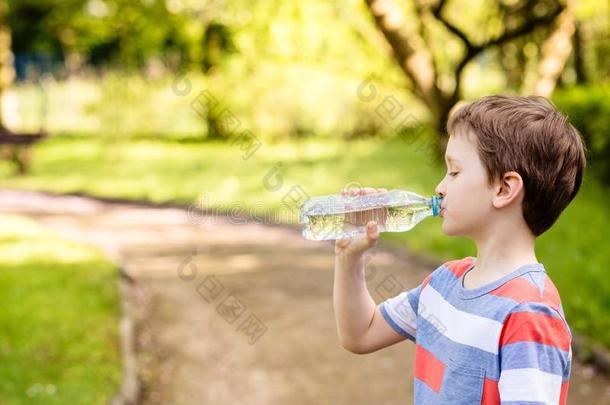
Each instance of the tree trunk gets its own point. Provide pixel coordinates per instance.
(7, 72)
(556, 50)
(579, 60)
(410, 52)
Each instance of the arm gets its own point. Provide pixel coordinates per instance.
(535, 356)
(360, 324)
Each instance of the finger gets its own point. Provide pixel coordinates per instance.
(372, 232)
(343, 242)
(368, 190)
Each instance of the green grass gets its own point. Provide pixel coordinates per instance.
(59, 311)
(573, 251)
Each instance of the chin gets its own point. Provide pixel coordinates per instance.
(448, 233)
(450, 230)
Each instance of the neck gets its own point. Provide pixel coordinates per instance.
(504, 249)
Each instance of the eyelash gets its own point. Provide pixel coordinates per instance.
(453, 174)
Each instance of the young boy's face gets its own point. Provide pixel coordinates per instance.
(466, 206)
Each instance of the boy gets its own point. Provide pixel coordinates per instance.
(489, 329)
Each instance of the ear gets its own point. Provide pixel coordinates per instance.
(508, 189)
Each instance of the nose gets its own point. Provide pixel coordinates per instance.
(440, 188)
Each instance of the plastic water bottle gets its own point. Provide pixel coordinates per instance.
(337, 216)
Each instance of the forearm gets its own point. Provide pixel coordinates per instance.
(354, 306)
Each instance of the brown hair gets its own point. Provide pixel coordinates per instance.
(527, 135)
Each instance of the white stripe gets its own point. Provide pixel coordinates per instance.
(400, 310)
(459, 326)
(529, 384)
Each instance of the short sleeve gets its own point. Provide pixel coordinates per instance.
(535, 356)
(400, 312)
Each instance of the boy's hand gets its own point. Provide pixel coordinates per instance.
(355, 246)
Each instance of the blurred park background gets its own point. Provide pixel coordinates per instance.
(247, 108)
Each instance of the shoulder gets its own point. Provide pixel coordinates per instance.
(451, 270)
(537, 322)
(459, 266)
(529, 289)
(536, 312)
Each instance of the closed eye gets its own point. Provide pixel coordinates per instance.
(453, 174)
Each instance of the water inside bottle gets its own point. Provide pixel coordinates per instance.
(389, 219)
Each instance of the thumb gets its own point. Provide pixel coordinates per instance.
(343, 242)
(372, 232)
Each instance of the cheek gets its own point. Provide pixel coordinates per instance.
(468, 200)
(463, 218)
(469, 187)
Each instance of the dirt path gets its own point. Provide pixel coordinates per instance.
(242, 313)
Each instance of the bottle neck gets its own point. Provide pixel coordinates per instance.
(435, 203)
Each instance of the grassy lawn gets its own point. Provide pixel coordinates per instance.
(59, 311)
(157, 170)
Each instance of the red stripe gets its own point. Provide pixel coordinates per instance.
(491, 394)
(521, 290)
(563, 397)
(428, 368)
(551, 294)
(459, 267)
(426, 281)
(518, 289)
(535, 327)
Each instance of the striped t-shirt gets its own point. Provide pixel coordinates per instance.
(503, 343)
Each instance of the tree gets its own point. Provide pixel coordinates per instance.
(110, 32)
(414, 51)
(7, 72)
(555, 51)
(17, 145)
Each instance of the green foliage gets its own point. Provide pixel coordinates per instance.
(588, 108)
(103, 31)
(59, 311)
(593, 18)
(217, 43)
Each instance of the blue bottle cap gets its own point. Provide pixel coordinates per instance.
(436, 203)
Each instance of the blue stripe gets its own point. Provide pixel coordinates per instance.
(413, 297)
(566, 375)
(546, 358)
(424, 395)
(445, 349)
(458, 388)
(487, 306)
(393, 324)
